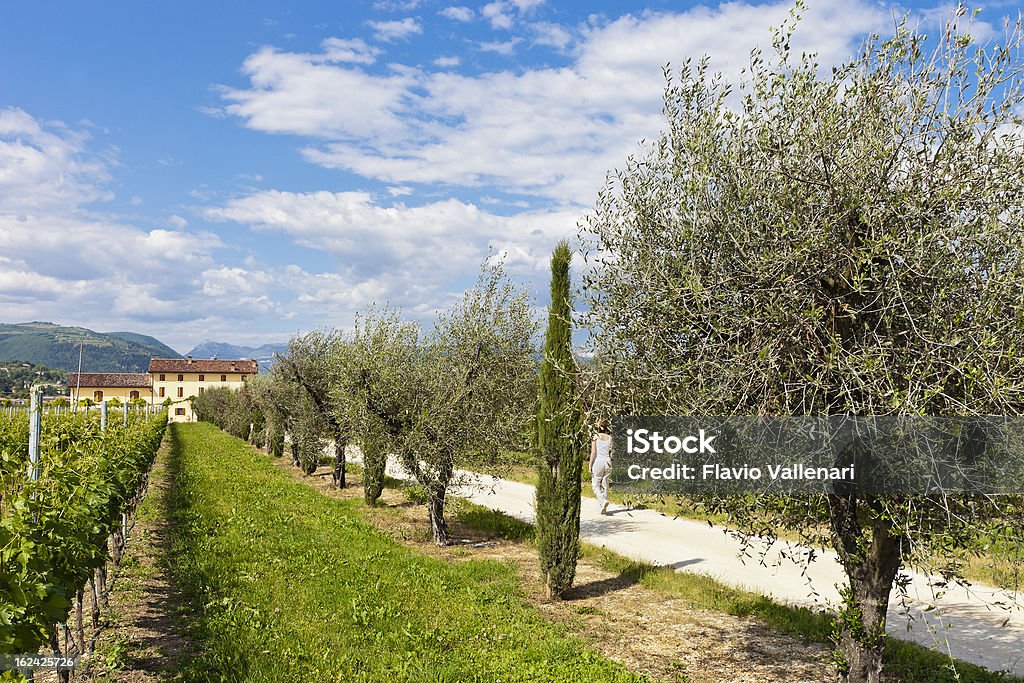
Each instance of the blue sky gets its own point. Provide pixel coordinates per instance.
(243, 171)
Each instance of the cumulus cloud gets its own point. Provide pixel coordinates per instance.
(395, 30)
(354, 51)
(458, 13)
(62, 259)
(66, 261)
(505, 48)
(541, 138)
(550, 35)
(44, 166)
(435, 241)
(447, 61)
(549, 133)
(313, 95)
(396, 5)
(503, 14)
(498, 15)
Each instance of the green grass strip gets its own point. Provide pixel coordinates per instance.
(289, 585)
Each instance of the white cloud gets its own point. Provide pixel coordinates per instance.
(551, 133)
(506, 48)
(354, 51)
(457, 13)
(496, 13)
(396, 5)
(447, 61)
(551, 35)
(502, 14)
(311, 95)
(395, 30)
(215, 112)
(410, 248)
(65, 261)
(62, 260)
(44, 166)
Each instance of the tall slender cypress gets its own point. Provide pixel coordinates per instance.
(560, 439)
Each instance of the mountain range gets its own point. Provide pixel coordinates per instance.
(57, 346)
(213, 349)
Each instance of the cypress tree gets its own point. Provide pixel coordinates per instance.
(559, 444)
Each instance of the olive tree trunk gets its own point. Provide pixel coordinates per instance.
(374, 465)
(872, 557)
(436, 482)
(435, 508)
(339, 460)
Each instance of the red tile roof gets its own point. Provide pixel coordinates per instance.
(111, 380)
(214, 367)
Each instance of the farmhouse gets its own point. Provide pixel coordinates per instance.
(177, 379)
(180, 378)
(104, 386)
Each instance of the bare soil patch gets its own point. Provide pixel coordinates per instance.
(645, 630)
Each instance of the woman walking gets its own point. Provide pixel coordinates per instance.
(601, 464)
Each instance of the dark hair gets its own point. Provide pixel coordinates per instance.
(602, 426)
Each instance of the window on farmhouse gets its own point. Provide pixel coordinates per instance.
(181, 392)
(202, 389)
(223, 378)
(161, 392)
(97, 396)
(133, 396)
(181, 378)
(202, 378)
(179, 411)
(163, 377)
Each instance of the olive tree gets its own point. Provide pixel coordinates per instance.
(843, 242)
(236, 411)
(466, 387)
(310, 363)
(270, 396)
(372, 372)
(290, 412)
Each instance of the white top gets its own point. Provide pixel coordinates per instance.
(603, 446)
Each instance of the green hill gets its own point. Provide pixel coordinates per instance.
(160, 350)
(57, 346)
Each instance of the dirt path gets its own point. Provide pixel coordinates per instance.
(645, 630)
(144, 641)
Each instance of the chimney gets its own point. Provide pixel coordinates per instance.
(190, 360)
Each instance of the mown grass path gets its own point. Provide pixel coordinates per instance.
(288, 585)
(144, 641)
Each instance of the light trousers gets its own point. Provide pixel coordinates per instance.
(600, 477)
